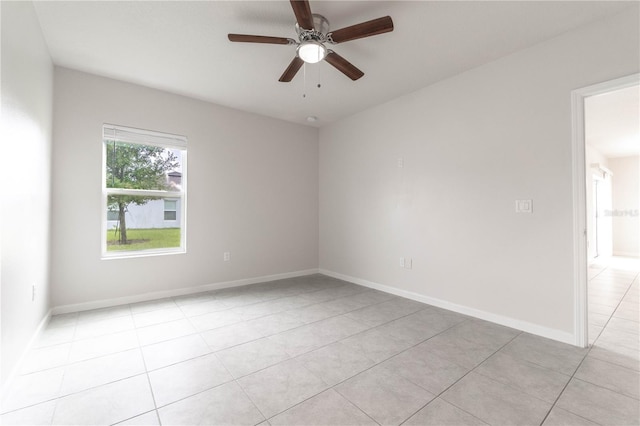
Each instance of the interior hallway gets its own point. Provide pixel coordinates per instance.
(613, 302)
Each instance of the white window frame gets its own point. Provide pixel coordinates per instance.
(165, 209)
(150, 138)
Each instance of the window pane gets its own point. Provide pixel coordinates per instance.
(169, 215)
(145, 224)
(134, 166)
(170, 204)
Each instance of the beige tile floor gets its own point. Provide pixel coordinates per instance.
(316, 350)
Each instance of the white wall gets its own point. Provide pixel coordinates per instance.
(253, 191)
(593, 156)
(626, 205)
(27, 84)
(471, 144)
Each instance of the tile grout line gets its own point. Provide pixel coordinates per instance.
(365, 290)
(146, 371)
(290, 358)
(590, 347)
(235, 381)
(240, 344)
(320, 347)
(64, 366)
(328, 344)
(301, 294)
(376, 364)
(206, 313)
(137, 415)
(297, 356)
(360, 372)
(316, 348)
(354, 405)
(606, 324)
(294, 357)
(76, 393)
(331, 387)
(271, 313)
(459, 379)
(572, 377)
(55, 408)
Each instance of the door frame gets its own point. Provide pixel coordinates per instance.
(596, 184)
(580, 256)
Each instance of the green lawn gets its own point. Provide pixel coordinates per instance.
(143, 239)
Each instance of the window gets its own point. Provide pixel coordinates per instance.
(170, 209)
(143, 192)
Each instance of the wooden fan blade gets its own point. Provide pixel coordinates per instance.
(302, 10)
(344, 66)
(364, 29)
(291, 70)
(245, 38)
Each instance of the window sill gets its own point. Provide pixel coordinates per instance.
(141, 253)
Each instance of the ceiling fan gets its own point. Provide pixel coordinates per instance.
(313, 33)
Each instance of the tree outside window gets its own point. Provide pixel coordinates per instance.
(144, 183)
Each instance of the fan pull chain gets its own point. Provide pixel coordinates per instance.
(304, 76)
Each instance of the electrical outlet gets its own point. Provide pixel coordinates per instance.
(408, 263)
(402, 262)
(226, 256)
(400, 162)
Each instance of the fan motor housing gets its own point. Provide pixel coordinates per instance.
(311, 40)
(321, 28)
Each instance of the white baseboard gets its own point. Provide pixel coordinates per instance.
(550, 333)
(626, 254)
(106, 303)
(17, 368)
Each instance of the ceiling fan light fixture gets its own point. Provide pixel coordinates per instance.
(313, 32)
(312, 52)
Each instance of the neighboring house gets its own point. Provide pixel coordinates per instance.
(164, 213)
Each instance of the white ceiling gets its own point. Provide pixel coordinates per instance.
(182, 47)
(612, 122)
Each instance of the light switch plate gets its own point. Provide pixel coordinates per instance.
(524, 206)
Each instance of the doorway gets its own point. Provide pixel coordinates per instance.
(600, 233)
(596, 215)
